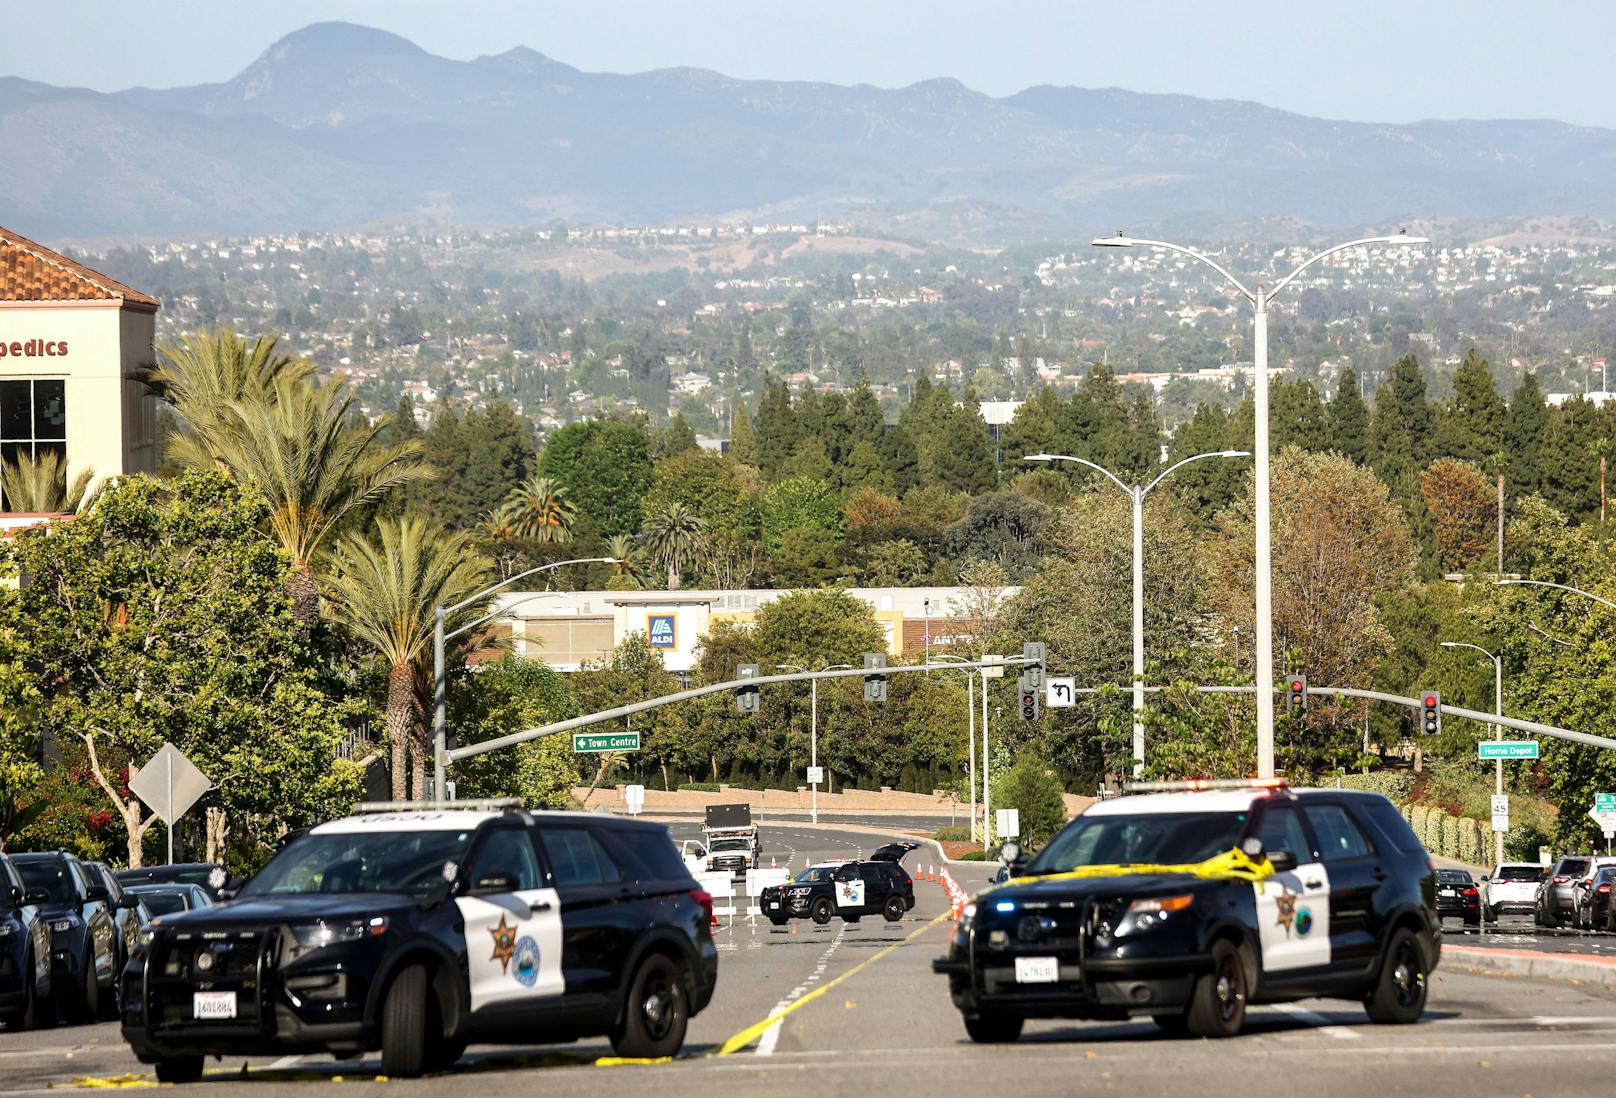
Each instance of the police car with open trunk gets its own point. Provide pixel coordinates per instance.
(1188, 906)
(418, 931)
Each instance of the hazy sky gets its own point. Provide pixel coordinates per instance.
(1370, 60)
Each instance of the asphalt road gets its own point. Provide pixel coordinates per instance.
(874, 1019)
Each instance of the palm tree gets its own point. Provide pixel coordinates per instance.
(315, 460)
(627, 554)
(39, 485)
(386, 592)
(542, 511)
(206, 372)
(674, 537)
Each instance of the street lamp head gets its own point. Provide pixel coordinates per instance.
(1234, 453)
(1118, 241)
(1402, 237)
(1450, 644)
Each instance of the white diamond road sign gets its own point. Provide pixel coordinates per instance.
(1605, 820)
(169, 783)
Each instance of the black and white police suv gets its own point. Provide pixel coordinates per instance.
(851, 890)
(1188, 906)
(419, 931)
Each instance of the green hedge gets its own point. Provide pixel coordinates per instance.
(699, 787)
(958, 833)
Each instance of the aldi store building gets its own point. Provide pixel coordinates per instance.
(72, 343)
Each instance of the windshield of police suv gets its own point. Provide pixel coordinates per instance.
(410, 862)
(1169, 838)
(52, 875)
(815, 875)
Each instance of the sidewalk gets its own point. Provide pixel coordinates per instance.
(1577, 968)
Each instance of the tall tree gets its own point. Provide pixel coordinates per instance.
(387, 592)
(204, 374)
(499, 455)
(315, 461)
(1524, 437)
(1400, 429)
(1464, 510)
(605, 466)
(1471, 426)
(540, 510)
(674, 538)
(1349, 419)
(1299, 417)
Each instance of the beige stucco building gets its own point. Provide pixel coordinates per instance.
(72, 342)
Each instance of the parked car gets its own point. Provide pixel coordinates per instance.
(127, 914)
(1581, 914)
(1557, 893)
(25, 953)
(1457, 896)
(1593, 902)
(84, 938)
(1512, 886)
(204, 874)
(171, 899)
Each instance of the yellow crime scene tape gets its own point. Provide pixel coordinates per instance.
(1232, 865)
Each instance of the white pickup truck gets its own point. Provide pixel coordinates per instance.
(1512, 886)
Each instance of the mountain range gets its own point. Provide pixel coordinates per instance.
(339, 125)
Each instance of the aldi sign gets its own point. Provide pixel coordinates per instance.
(660, 631)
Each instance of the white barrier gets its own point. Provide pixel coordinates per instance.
(743, 895)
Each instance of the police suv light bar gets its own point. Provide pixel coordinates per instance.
(486, 804)
(1195, 785)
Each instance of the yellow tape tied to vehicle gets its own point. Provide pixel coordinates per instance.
(1232, 865)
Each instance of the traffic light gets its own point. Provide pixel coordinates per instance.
(1031, 695)
(746, 698)
(875, 686)
(1032, 675)
(1296, 696)
(1430, 712)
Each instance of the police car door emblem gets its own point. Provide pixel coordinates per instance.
(1285, 902)
(505, 945)
(527, 961)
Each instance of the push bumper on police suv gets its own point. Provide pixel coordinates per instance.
(1100, 957)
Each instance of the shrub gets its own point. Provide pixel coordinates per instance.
(956, 833)
(1032, 788)
(699, 787)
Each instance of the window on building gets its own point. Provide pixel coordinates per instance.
(33, 419)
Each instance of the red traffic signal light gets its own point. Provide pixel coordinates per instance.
(1296, 696)
(1430, 712)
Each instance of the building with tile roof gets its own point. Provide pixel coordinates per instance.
(72, 344)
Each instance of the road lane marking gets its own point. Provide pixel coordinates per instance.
(772, 1034)
(755, 1031)
(285, 1062)
(1319, 1022)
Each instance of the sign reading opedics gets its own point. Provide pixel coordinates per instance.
(661, 631)
(34, 348)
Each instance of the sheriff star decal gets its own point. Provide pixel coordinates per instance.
(504, 944)
(1285, 902)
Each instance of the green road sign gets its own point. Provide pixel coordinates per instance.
(1605, 802)
(1507, 749)
(597, 742)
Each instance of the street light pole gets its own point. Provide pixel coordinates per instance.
(1136, 495)
(1263, 579)
(970, 732)
(1498, 730)
(440, 674)
(813, 728)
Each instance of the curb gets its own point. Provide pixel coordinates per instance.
(1544, 966)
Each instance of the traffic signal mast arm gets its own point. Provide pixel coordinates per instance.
(469, 750)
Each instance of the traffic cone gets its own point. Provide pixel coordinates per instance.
(771, 862)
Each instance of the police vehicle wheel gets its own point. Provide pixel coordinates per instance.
(656, 1013)
(1218, 1002)
(86, 1007)
(181, 1069)
(404, 1035)
(1000, 1029)
(1174, 1025)
(27, 1017)
(1398, 997)
(822, 910)
(893, 910)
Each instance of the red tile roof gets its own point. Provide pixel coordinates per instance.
(32, 272)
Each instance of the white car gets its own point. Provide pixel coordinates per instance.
(1512, 886)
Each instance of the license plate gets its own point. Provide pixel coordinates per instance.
(1037, 970)
(1449, 892)
(213, 1005)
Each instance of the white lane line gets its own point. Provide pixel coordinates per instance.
(285, 1062)
(1319, 1022)
(771, 1035)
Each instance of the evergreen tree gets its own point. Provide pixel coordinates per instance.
(864, 417)
(1298, 418)
(1033, 428)
(901, 457)
(499, 456)
(1470, 427)
(443, 447)
(1349, 419)
(776, 429)
(1209, 485)
(742, 442)
(605, 466)
(1524, 437)
(1400, 429)
(678, 438)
